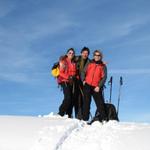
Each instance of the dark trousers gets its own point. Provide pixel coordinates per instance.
(70, 98)
(80, 100)
(99, 101)
(75, 101)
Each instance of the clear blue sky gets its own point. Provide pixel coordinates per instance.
(33, 34)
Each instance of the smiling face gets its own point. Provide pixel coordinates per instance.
(85, 54)
(97, 56)
(70, 54)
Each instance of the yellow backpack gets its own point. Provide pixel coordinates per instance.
(55, 70)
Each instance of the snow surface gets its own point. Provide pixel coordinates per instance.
(53, 132)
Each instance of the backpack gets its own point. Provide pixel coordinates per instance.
(55, 70)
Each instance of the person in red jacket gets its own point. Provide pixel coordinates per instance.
(92, 87)
(67, 79)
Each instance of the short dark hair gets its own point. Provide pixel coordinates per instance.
(85, 49)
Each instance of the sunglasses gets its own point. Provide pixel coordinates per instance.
(96, 55)
(71, 53)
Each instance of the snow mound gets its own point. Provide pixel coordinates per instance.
(52, 132)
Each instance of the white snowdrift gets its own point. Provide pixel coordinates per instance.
(60, 133)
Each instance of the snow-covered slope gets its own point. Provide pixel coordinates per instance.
(60, 133)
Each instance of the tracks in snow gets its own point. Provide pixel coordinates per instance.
(71, 134)
(56, 132)
(72, 129)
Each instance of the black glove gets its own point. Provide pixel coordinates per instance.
(71, 78)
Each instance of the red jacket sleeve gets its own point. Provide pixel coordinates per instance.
(63, 70)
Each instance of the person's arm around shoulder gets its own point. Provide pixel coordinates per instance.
(63, 67)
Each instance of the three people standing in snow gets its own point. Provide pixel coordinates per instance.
(80, 79)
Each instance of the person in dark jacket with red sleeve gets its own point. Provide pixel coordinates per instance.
(67, 79)
(92, 87)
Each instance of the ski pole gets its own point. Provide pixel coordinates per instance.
(120, 84)
(110, 83)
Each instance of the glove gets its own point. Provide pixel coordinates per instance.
(71, 78)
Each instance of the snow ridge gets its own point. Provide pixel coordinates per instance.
(76, 127)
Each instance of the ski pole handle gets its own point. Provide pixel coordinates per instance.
(121, 80)
(110, 83)
(121, 83)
